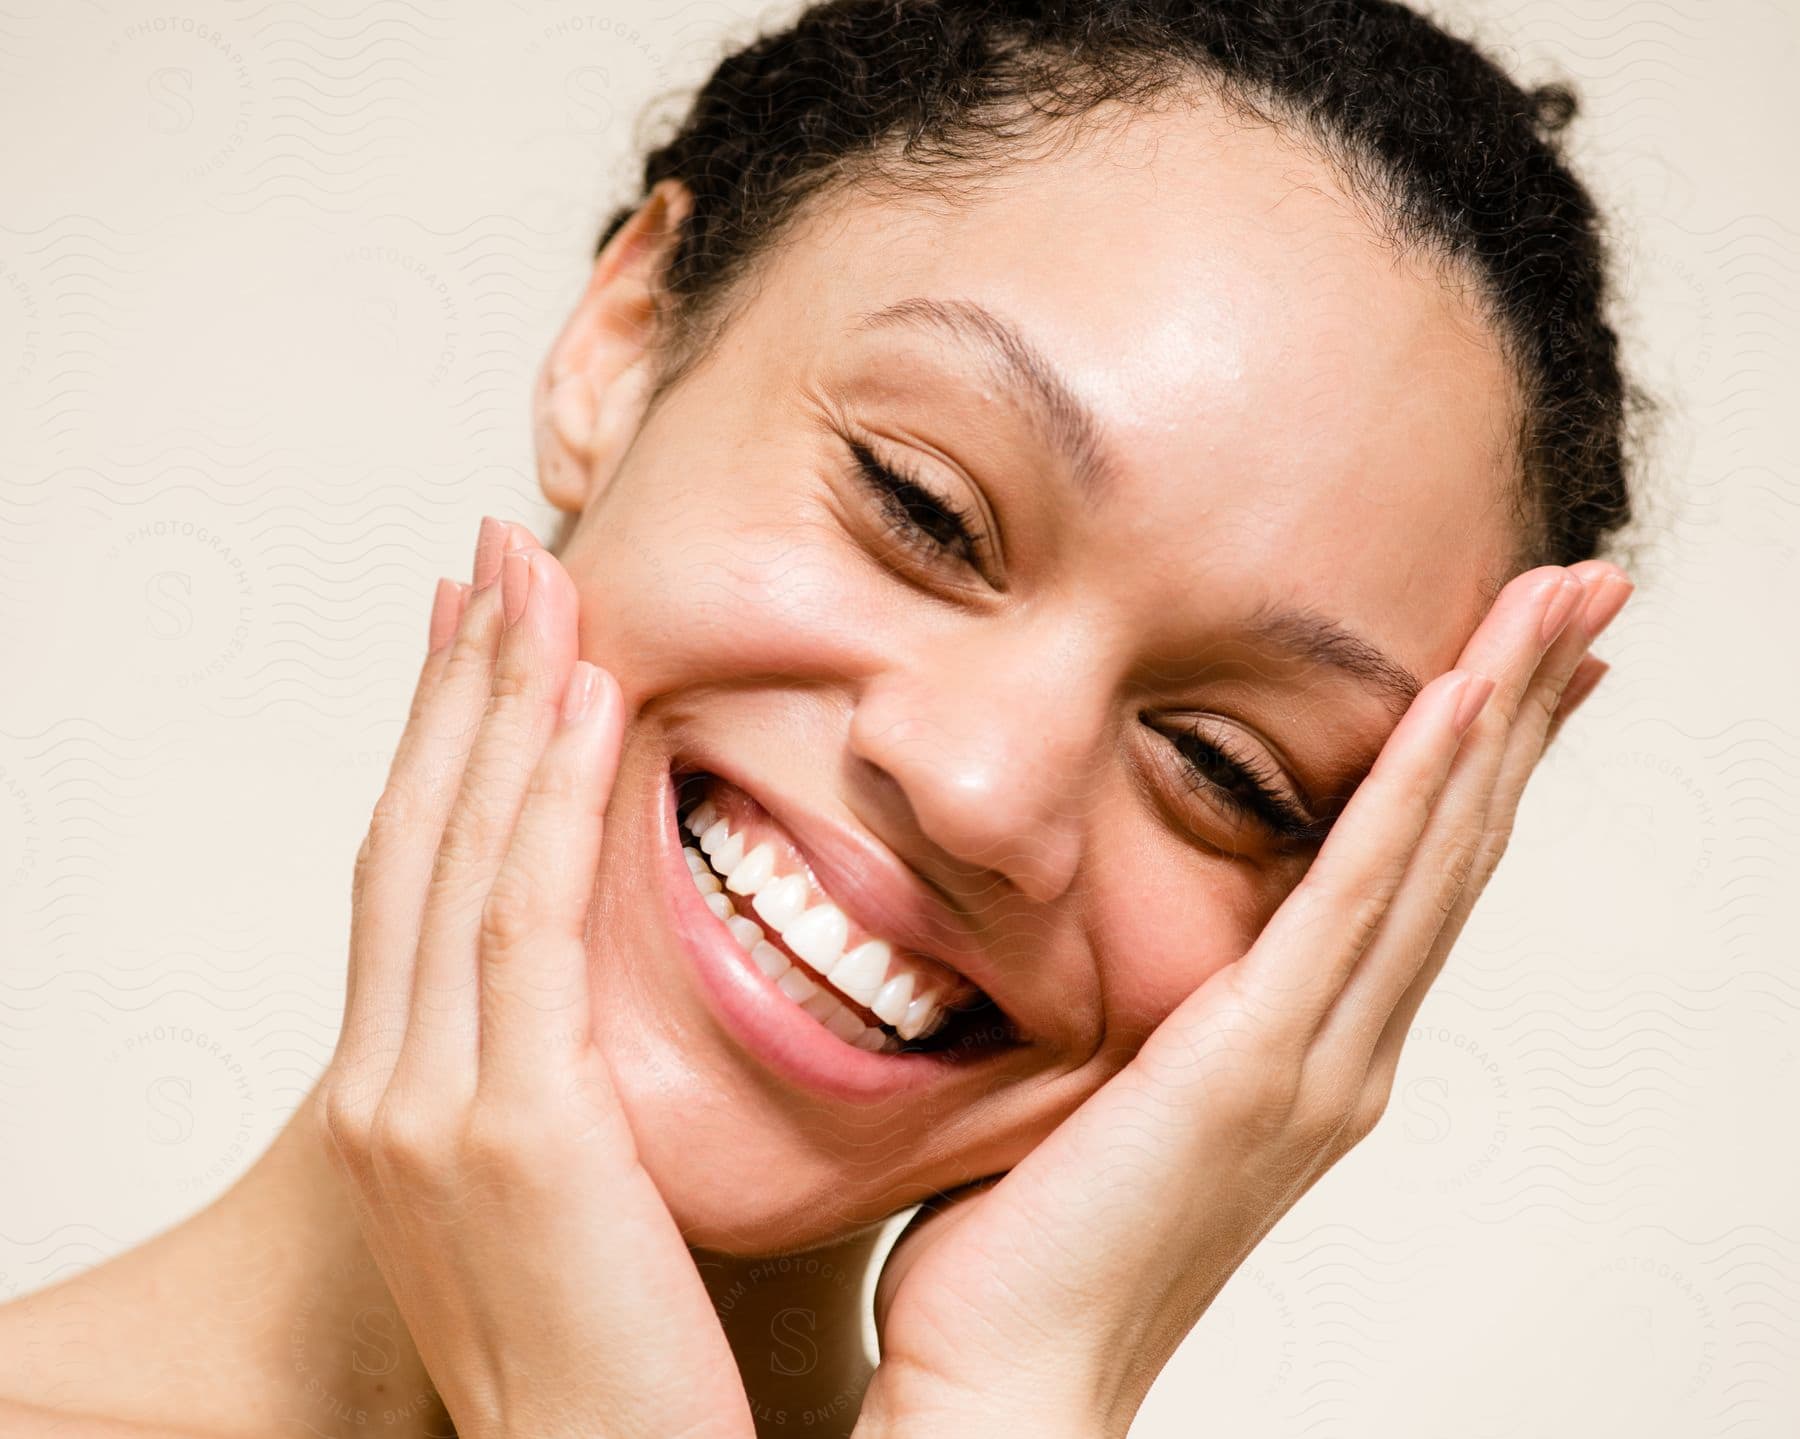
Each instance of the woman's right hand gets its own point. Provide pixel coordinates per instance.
(544, 1281)
(1048, 1301)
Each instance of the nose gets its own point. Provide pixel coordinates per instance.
(991, 748)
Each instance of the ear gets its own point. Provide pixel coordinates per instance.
(595, 382)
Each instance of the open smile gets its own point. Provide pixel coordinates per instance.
(792, 969)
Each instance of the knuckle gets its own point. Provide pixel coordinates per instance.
(1460, 865)
(388, 822)
(345, 1121)
(1538, 706)
(1364, 911)
(465, 841)
(403, 1140)
(511, 685)
(506, 915)
(1367, 1114)
(1330, 1127)
(472, 645)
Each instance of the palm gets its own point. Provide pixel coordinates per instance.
(1122, 1175)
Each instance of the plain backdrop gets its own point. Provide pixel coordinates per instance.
(274, 280)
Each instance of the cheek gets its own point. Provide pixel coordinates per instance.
(1171, 920)
(682, 586)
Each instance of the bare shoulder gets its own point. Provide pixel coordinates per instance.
(100, 1354)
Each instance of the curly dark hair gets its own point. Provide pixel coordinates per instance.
(1446, 151)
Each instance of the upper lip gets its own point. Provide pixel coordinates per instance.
(873, 886)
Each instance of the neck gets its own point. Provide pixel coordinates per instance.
(795, 1324)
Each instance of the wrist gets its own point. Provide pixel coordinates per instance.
(924, 1408)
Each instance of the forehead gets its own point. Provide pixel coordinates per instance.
(1292, 410)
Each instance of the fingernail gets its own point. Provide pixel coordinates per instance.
(489, 545)
(1561, 607)
(443, 615)
(578, 698)
(1604, 604)
(1475, 691)
(515, 585)
(518, 538)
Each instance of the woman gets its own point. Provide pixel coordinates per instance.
(1081, 520)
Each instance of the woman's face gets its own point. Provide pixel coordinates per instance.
(1201, 477)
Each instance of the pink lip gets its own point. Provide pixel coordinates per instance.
(762, 1019)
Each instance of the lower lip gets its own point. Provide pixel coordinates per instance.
(759, 1016)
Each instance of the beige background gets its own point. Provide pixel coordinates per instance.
(273, 281)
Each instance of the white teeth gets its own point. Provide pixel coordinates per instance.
(818, 936)
(796, 986)
(861, 973)
(729, 855)
(920, 1018)
(756, 870)
(770, 960)
(895, 995)
(781, 903)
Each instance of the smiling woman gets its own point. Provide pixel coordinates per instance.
(1048, 489)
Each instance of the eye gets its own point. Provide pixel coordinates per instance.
(1250, 789)
(917, 515)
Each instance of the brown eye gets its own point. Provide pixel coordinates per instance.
(917, 515)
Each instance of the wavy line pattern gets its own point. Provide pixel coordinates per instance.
(276, 283)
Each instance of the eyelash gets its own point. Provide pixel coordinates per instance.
(1248, 788)
(908, 505)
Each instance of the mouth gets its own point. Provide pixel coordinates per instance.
(868, 989)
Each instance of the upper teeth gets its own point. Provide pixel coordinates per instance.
(871, 973)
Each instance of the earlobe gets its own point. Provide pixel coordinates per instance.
(593, 386)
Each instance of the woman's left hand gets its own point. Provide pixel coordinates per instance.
(542, 1277)
(1046, 1302)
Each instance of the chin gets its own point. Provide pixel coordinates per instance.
(787, 1067)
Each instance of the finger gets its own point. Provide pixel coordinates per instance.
(394, 864)
(1299, 961)
(446, 610)
(1588, 674)
(535, 603)
(1532, 673)
(1610, 589)
(1302, 960)
(533, 960)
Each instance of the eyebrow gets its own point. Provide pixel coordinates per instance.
(1062, 420)
(1326, 642)
(1068, 426)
